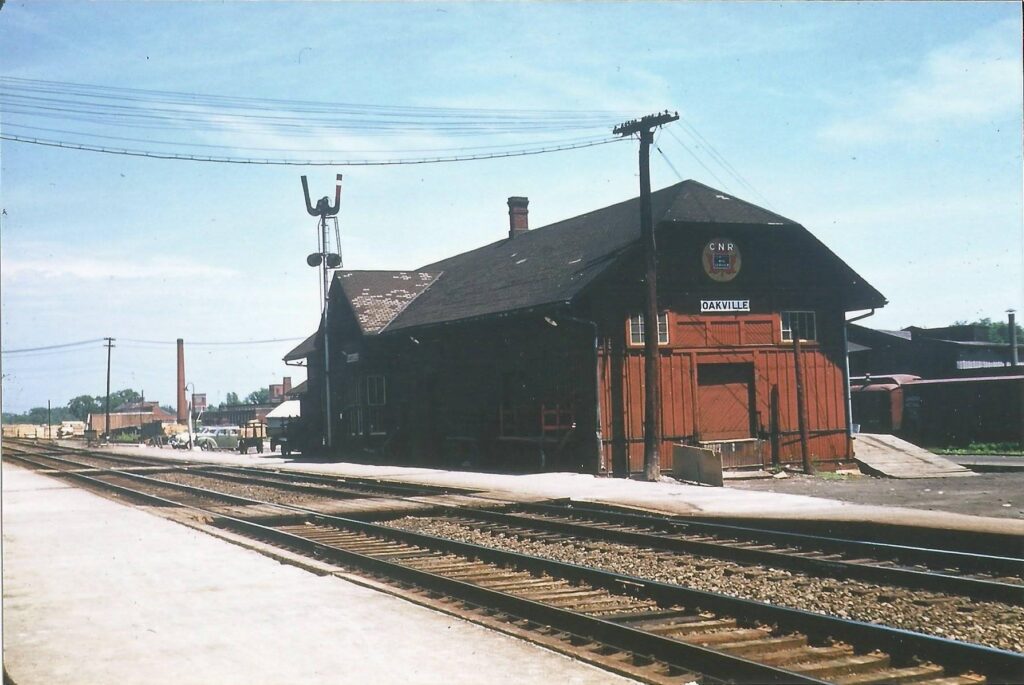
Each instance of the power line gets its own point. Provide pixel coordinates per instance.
(698, 159)
(129, 106)
(96, 113)
(80, 343)
(720, 159)
(308, 162)
(568, 141)
(136, 94)
(220, 342)
(669, 162)
(53, 347)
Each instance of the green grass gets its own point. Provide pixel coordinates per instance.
(986, 448)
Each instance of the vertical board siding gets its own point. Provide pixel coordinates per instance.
(823, 385)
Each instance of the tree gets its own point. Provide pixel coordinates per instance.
(261, 396)
(230, 399)
(126, 396)
(80, 407)
(37, 415)
(998, 331)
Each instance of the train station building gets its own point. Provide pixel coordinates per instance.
(527, 354)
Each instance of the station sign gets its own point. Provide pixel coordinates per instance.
(721, 259)
(724, 306)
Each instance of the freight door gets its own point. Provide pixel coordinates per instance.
(725, 401)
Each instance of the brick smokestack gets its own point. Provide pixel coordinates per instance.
(518, 216)
(287, 383)
(182, 407)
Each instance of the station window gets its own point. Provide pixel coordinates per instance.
(636, 329)
(376, 391)
(801, 323)
(376, 398)
(355, 420)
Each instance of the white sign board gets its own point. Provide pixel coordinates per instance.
(724, 306)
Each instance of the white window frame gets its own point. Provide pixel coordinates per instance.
(786, 324)
(636, 329)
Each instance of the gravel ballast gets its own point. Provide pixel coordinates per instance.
(959, 618)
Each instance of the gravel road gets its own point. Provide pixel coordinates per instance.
(987, 494)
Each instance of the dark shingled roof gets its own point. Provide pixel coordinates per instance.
(553, 264)
(299, 390)
(377, 297)
(304, 348)
(546, 266)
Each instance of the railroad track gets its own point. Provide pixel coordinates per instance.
(976, 576)
(346, 486)
(653, 631)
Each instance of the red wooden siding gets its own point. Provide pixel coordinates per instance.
(725, 340)
(724, 401)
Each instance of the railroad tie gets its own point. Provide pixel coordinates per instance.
(893, 675)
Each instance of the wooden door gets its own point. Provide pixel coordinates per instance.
(725, 401)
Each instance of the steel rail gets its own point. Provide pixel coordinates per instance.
(681, 655)
(686, 656)
(156, 482)
(998, 665)
(383, 486)
(1001, 665)
(926, 556)
(926, 580)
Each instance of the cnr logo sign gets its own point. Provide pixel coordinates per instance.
(721, 259)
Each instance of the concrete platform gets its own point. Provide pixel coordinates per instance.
(891, 457)
(667, 496)
(98, 592)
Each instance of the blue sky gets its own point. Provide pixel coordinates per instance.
(891, 130)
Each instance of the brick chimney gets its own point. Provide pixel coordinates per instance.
(287, 383)
(518, 216)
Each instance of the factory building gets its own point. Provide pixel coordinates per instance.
(527, 354)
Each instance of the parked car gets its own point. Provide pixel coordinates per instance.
(218, 438)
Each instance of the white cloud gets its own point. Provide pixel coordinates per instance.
(974, 80)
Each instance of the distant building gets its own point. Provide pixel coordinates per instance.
(925, 352)
(129, 416)
(279, 391)
(238, 414)
(936, 386)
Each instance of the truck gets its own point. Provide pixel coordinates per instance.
(252, 434)
(282, 421)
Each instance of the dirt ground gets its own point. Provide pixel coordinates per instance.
(986, 494)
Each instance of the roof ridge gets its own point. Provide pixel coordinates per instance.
(748, 203)
(541, 229)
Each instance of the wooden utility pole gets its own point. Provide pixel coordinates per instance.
(652, 391)
(106, 426)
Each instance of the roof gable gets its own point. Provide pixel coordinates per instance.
(377, 297)
(697, 203)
